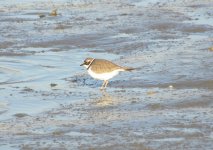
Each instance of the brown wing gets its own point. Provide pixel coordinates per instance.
(103, 66)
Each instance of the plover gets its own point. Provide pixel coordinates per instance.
(102, 69)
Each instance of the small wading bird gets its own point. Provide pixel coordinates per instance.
(102, 69)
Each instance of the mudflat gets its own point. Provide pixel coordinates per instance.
(48, 101)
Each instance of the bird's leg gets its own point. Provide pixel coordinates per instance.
(102, 87)
(106, 83)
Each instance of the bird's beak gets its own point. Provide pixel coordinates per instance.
(82, 64)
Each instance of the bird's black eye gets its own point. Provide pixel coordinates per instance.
(86, 62)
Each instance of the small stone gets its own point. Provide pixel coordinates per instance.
(53, 84)
(211, 48)
(54, 12)
(41, 15)
(151, 93)
(171, 87)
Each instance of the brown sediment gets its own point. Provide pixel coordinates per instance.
(165, 104)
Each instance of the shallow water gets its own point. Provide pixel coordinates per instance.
(48, 101)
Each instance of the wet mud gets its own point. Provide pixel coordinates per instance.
(48, 101)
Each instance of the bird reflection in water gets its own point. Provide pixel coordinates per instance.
(105, 99)
(104, 107)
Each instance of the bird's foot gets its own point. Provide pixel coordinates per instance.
(102, 88)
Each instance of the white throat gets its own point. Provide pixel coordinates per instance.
(86, 66)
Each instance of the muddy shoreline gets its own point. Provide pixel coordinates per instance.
(49, 102)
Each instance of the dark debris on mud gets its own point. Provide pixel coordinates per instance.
(166, 104)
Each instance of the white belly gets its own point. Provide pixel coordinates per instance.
(103, 76)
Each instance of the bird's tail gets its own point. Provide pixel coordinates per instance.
(128, 69)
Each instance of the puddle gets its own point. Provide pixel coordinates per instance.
(17, 103)
(73, 133)
(170, 140)
(2, 147)
(48, 101)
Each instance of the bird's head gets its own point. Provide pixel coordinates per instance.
(87, 62)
